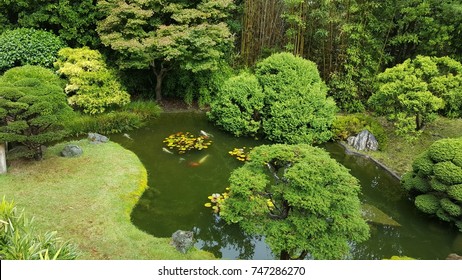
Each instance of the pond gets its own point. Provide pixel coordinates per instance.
(179, 187)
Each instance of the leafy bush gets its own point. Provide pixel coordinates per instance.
(350, 125)
(32, 108)
(27, 46)
(437, 182)
(92, 86)
(299, 198)
(427, 203)
(106, 123)
(19, 239)
(238, 104)
(295, 107)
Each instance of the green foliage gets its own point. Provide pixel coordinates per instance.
(448, 173)
(299, 198)
(296, 107)
(404, 96)
(191, 35)
(32, 108)
(92, 86)
(450, 207)
(73, 21)
(25, 46)
(238, 105)
(437, 181)
(427, 203)
(350, 125)
(19, 239)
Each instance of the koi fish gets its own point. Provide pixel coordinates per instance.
(167, 150)
(202, 160)
(205, 134)
(127, 136)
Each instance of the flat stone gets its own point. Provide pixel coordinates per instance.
(374, 215)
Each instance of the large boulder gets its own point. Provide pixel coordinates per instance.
(183, 240)
(363, 141)
(71, 151)
(96, 138)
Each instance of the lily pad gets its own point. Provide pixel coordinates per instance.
(374, 215)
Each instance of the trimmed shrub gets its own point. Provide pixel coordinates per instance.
(448, 173)
(435, 168)
(450, 207)
(427, 203)
(238, 104)
(27, 46)
(423, 164)
(445, 150)
(455, 192)
(297, 109)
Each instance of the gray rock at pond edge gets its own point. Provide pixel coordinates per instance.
(71, 151)
(454, 257)
(96, 138)
(183, 240)
(363, 141)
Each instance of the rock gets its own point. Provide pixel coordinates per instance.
(454, 257)
(96, 138)
(183, 240)
(71, 151)
(363, 141)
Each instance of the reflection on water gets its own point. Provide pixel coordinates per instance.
(178, 191)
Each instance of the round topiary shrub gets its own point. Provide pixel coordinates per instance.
(436, 181)
(427, 203)
(238, 105)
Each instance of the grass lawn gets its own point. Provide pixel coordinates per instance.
(88, 201)
(399, 154)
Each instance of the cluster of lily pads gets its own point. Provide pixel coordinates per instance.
(241, 154)
(183, 142)
(216, 199)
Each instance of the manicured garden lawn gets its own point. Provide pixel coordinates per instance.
(88, 201)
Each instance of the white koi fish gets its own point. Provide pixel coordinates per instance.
(167, 150)
(208, 135)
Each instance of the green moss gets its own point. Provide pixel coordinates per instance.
(448, 173)
(427, 203)
(450, 207)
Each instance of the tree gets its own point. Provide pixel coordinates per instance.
(24, 46)
(157, 35)
(92, 86)
(32, 108)
(238, 105)
(296, 109)
(74, 21)
(299, 198)
(404, 96)
(435, 181)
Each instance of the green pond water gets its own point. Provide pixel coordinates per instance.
(178, 191)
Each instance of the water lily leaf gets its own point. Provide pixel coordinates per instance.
(208, 204)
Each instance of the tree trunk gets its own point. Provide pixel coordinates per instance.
(3, 158)
(284, 255)
(159, 79)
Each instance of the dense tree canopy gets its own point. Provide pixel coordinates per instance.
(25, 46)
(92, 86)
(436, 181)
(32, 108)
(300, 199)
(155, 34)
